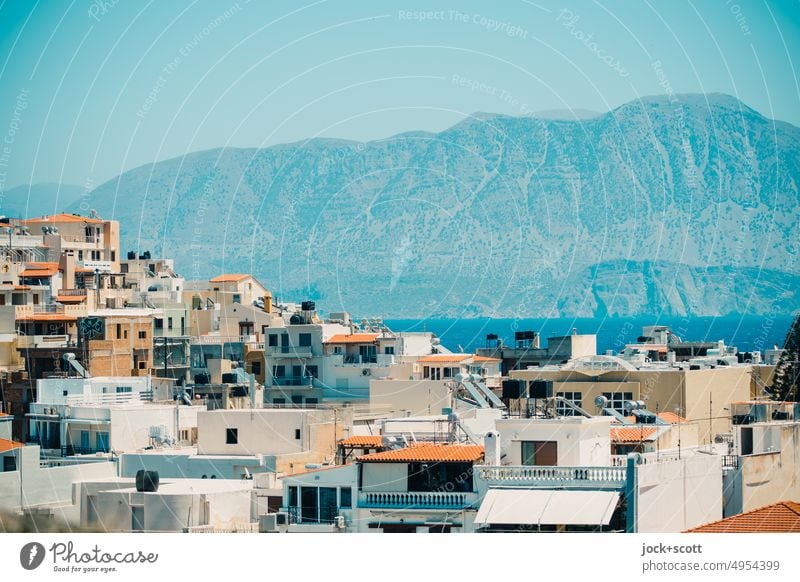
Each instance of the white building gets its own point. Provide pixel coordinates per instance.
(178, 505)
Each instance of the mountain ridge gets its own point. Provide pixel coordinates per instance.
(488, 215)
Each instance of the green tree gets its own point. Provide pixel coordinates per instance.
(787, 371)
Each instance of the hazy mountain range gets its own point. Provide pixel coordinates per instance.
(671, 205)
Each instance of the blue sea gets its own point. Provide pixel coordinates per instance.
(748, 333)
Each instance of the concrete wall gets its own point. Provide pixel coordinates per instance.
(188, 466)
(674, 496)
(664, 390)
(771, 477)
(384, 477)
(581, 441)
(45, 486)
(420, 397)
(723, 385)
(267, 431)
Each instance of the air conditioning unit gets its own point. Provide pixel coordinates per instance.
(338, 522)
(273, 523)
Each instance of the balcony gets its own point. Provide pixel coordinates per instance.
(289, 351)
(539, 476)
(43, 341)
(296, 381)
(417, 500)
(359, 361)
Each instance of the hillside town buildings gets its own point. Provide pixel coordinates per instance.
(133, 400)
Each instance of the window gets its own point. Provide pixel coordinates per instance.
(80, 255)
(113, 255)
(36, 299)
(124, 389)
(305, 340)
(312, 400)
(9, 464)
(119, 330)
(273, 340)
(616, 400)
(447, 372)
(293, 496)
(539, 453)
(312, 371)
(279, 400)
(255, 368)
(575, 397)
(388, 350)
(231, 436)
(2, 298)
(346, 497)
(297, 434)
(159, 323)
(279, 371)
(337, 350)
(455, 477)
(142, 335)
(237, 298)
(169, 323)
(297, 399)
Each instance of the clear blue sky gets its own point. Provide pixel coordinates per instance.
(90, 89)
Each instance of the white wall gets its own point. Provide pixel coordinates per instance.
(417, 396)
(581, 441)
(43, 486)
(265, 431)
(384, 477)
(674, 496)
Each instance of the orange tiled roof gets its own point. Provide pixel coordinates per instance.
(427, 453)
(362, 441)
(38, 272)
(444, 358)
(22, 288)
(234, 278)
(63, 217)
(47, 317)
(783, 517)
(631, 434)
(70, 298)
(7, 445)
(485, 359)
(671, 417)
(352, 338)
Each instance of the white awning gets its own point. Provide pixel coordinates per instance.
(547, 507)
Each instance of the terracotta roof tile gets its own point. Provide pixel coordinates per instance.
(70, 298)
(782, 517)
(47, 317)
(444, 358)
(63, 217)
(632, 434)
(427, 453)
(353, 338)
(38, 272)
(363, 441)
(7, 445)
(229, 278)
(485, 359)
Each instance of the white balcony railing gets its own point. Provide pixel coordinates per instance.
(417, 500)
(592, 477)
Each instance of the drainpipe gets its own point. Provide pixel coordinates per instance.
(631, 495)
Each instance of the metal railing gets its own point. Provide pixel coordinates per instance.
(233, 528)
(293, 381)
(417, 500)
(70, 450)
